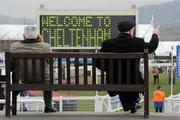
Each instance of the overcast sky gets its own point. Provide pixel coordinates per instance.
(27, 8)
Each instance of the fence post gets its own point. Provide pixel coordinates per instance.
(96, 104)
(60, 103)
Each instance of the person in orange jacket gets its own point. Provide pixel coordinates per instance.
(158, 98)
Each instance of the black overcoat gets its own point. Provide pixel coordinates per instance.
(124, 43)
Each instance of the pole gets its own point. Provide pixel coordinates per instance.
(172, 67)
(96, 50)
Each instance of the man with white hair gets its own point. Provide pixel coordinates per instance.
(32, 43)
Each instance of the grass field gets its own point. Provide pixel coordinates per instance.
(163, 82)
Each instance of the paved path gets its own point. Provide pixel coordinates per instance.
(89, 116)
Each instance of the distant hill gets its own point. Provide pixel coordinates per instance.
(14, 20)
(164, 14)
(167, 15)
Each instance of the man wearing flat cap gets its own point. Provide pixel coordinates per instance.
(32, 44)
(126, 42)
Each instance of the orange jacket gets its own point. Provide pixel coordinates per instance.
(158, 96)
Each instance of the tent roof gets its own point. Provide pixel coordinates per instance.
(11, 32)
(164, 48)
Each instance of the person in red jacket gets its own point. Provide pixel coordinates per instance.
(158, 98)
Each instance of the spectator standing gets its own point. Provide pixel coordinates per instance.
(155, 73)
(158, 99)
(173, 72)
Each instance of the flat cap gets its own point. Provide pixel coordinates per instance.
(125, 26)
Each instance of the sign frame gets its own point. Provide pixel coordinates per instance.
(95, 12)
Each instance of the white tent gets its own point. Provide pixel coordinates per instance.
(11, 32)
(164, 48)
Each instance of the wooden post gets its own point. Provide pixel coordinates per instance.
(146, 85)
(8, 92)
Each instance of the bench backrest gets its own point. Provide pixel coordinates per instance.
(76, 80)
(76, 65)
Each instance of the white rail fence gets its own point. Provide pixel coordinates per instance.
(172, 104)
(90, 103)
(28, 103)
(76, 104)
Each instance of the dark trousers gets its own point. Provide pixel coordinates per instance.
(47, 98)
(158, 109)
(128, 99)
(169, 82)
(156, 79)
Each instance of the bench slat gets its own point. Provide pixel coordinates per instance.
(42, 65)
(78, 55)
(51, 70)
(111, 71)
(128, 71)
(119, 71)
(93, 71)
(60, 71)
(25, 70)
(34, 70)
(85, 71)
(136, 71)
(102, 71)
(76, 70)
(68, 71)
(111, 87)
(16, 80)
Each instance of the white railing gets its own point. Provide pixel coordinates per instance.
(172, 104)
(31, 103)
(77, 103)
(97, 103)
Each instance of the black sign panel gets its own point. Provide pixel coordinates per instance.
(79, 31)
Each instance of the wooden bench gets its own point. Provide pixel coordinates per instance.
(77, 82)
